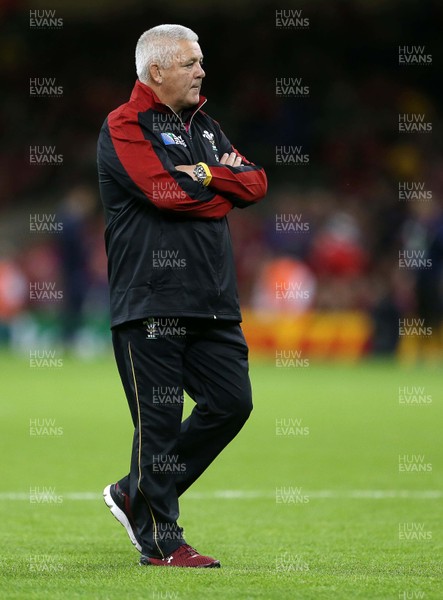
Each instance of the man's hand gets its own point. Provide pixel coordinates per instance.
(189, 169)
(232, 160)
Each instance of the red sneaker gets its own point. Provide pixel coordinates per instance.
(184, 556)
(118, 503)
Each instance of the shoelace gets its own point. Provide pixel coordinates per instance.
(185, 548)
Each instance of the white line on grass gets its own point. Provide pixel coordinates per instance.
(253, 494)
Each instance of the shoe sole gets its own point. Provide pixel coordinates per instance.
(214, 565)
(120, 516)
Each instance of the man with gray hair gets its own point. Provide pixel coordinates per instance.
(168, 177)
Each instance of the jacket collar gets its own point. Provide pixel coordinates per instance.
(145, 98)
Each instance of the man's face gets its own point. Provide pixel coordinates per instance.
(182, 81)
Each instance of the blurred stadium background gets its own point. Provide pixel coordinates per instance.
(331, 228)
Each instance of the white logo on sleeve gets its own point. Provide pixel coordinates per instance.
(210, 138)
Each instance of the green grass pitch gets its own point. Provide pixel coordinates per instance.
(319, 511)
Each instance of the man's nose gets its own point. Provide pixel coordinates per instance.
(200, 72)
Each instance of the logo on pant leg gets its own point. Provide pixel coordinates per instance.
(151, 329)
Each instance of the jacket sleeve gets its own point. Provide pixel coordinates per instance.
(243, 185)
(143, 166)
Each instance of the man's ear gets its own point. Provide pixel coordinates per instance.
(155, 73)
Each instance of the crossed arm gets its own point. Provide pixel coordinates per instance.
(143, 165)
(232, 160)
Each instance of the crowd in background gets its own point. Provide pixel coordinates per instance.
(352, 224)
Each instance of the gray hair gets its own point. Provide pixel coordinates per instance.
(159, 45)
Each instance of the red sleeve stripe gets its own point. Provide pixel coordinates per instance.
(250, 185)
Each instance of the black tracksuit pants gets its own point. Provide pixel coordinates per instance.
(157, 359)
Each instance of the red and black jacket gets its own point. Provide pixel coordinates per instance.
(167, 236)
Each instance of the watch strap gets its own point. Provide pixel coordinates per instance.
(207, 170)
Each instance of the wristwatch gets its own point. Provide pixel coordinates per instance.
(202, 173)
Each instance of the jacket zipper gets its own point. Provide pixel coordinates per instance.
(188, 133)
(219, 266)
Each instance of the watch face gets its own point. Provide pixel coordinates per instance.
(200, 173)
